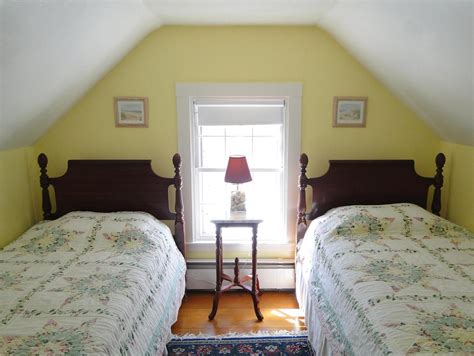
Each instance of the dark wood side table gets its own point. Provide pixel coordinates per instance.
(254, 290)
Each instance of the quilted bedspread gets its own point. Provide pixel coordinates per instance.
(90, 283)
(391, 280)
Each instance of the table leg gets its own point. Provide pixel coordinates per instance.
(217, 294)
(258, 287)
(255, 291)
(236, 271)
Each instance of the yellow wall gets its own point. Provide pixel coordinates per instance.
(175, 54)
(16, 207)
(460, 184)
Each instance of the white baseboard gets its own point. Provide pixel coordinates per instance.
(272, 275)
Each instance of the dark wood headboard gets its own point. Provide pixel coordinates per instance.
(114, 185)
(366, 182)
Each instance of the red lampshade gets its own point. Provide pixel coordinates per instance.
(237, 170)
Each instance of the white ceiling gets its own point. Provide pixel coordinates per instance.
(53, 51)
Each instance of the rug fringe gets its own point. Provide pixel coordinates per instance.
(241, 335)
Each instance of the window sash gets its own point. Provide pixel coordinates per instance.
(252, 136)
(274, 110)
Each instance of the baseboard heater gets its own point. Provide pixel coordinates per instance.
(272, 274)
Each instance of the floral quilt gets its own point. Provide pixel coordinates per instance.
(391, 280)
(90, 283)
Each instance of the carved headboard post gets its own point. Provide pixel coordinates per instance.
(179, 220)
(438, 183)
(301, 223)
(44, 183)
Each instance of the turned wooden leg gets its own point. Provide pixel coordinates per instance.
(217, 294)
(255, 290)
(236, 271)
(256, 300)
(215, 304)
(259, 292)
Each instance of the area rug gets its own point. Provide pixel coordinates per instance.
(279, 343)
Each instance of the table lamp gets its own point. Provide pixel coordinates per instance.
(237, 172)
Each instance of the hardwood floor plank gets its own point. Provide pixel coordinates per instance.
(236, 314)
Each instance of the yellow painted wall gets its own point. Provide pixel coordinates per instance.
(175, 54)
(460, 183)
(16, 206)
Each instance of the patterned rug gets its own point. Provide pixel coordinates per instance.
(286, 343)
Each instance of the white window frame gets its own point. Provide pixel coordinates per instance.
(186, 94)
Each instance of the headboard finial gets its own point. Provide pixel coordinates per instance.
(177, 160)
(179, 220)
(440, 160)
(42, 161)
(44, 183)
(303, 182)
(438, 183)
(303, 161)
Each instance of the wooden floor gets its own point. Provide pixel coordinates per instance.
(236, 314)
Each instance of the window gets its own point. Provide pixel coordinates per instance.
(254, 128)
(260, 121)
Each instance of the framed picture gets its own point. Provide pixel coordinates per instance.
(349, 111)
(131, 111)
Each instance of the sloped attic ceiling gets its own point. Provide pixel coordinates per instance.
(53, 51)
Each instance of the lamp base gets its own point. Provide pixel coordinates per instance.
(237, 202)
(238, 215)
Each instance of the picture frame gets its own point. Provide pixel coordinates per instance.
(349, 111)
(131, 111)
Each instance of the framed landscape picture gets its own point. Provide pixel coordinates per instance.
(131, 111)
(349, 111)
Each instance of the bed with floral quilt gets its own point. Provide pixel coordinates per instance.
(387, 280)
(91, 283)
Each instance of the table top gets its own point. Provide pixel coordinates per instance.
(236, 221)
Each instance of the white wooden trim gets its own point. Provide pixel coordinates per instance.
(269, 277)
(262, 90)
(184, 112)
(291, 92)
(275, 249)
(294, 150)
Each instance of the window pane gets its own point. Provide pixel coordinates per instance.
(267, 130)
(238, 130)
(212, 130)
(239, 146)
(208, 212)
(264, 201)
(213, 188)
(213, 152)
(266, 152)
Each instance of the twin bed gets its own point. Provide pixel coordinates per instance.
(376, 273)
(102, 275)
